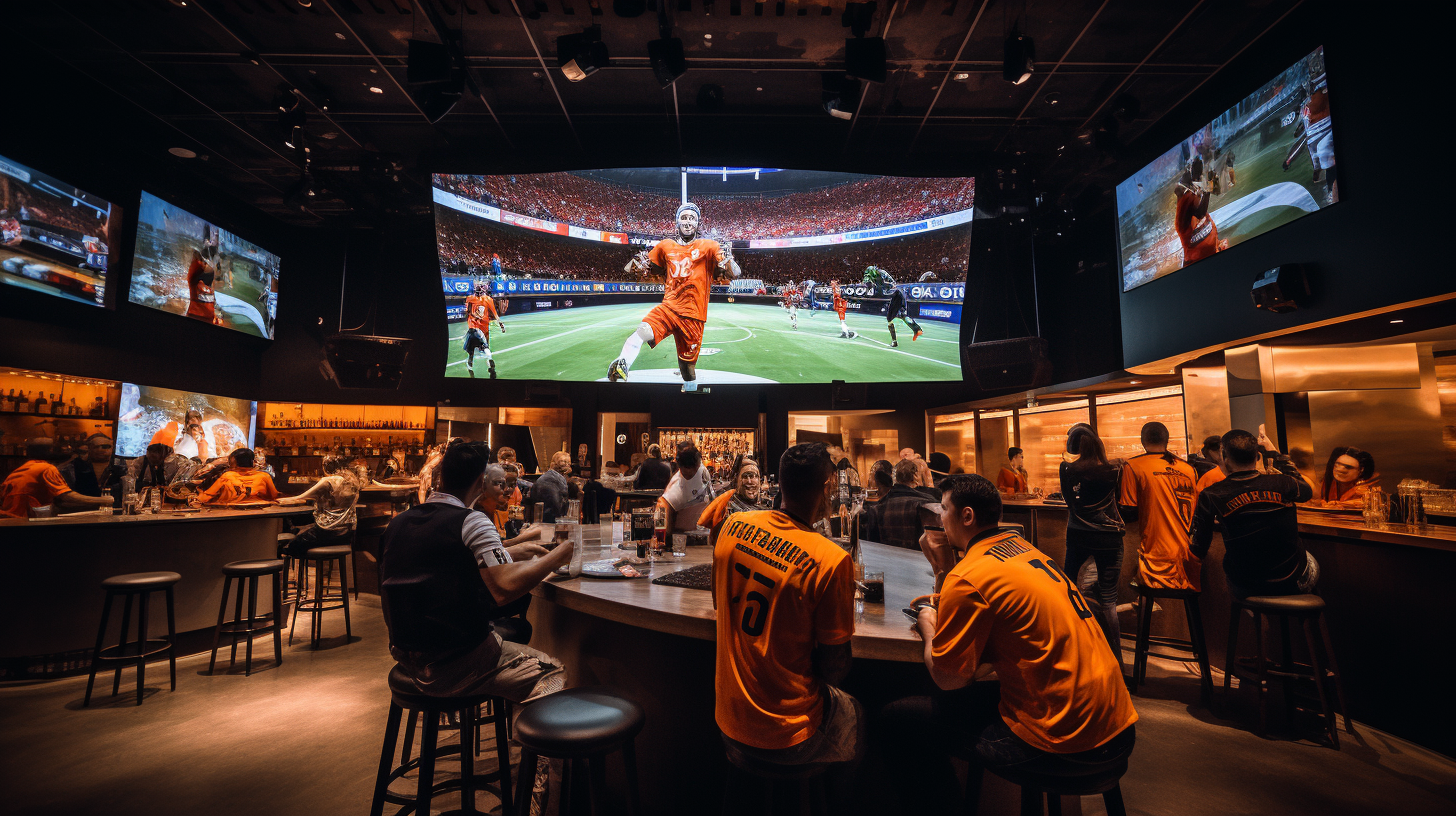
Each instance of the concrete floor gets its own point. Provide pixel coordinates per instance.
(304, 738)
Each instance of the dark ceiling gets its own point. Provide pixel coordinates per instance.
(207, 73)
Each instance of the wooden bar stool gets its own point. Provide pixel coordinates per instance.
(776, 785)
(1198, 646)
(248, 572)
(139, 585)
(284, 539)
(1309, 610)
(404, 698)
(323, 598)
(1036, 786)
(579, 726)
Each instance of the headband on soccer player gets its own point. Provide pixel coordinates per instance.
(688, 205)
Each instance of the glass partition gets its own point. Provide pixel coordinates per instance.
(1044, 440)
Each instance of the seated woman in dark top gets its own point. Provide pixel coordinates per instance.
(1094, 525)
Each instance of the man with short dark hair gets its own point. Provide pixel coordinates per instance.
(93, 472)
(895, 518)
(1013, 476)
(1207, 458)
(1059, 706)
(785, 615)
(689, 491)
(1159, 489)
(654, 473)
(38, 483)
(240, 483)
(1262, 554)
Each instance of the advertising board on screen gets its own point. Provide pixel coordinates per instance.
(740, 275)
(54, 238)
(1266, 161)
(189, 266)
(201, 426)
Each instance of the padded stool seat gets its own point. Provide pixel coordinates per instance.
(1286, 604)
(1308, 610)
(578, 722)
(140, 582)
(330, 551)
(405, 695)
(243, 569)
(1106, 780)
(1197, 644)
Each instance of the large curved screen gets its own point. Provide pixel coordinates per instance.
(790, 276)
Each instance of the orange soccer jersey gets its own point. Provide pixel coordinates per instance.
(780, 590)
(34, 484)
(240, 484)
(479, 311)
(690, 269)
(1163, 488)
(1008, 604)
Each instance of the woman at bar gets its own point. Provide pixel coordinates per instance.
(1349, 475)
(745, 489)
(335, 497)
(1090, 485)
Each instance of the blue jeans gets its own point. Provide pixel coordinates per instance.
(1105, 550)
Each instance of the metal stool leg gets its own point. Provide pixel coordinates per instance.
(467, 761)
(629, 758)
(381, 780)
(1031, 802)
(426, 785)
(299, 587)
(277, 618)
(252, 623)
(527, 780)
(121, 645)
(501, 710)
(1140, 653)
(409, 739)
(227, 583)
(1286, 663)
(1112, 801)
(344, 598)
(96, 653)
(596, 774)
(1335, 670)
(1262, 674)
(1200, 648)
(237, 619)
(171, 638)
(1229, 652)
(1320, 685)
(146, 608)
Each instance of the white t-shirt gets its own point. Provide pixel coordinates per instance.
(683, 493)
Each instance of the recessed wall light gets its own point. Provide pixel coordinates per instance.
(375, 89)
(1397, 321)
(1134, 382)
(962, 75)
(182, 152)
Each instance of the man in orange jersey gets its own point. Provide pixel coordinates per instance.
(1160, 489)
(240, 483)
(1059, 706)
(785, 606)
(688, 263)
(840, 306)
(479, 311)
(38, 483)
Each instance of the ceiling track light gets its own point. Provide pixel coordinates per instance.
(581, 55)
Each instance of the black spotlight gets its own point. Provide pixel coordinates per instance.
(1020, 60)
(581, 55)
(428, 62)
(437, 100)
(864, 58)
(666, 56)
(840, 94)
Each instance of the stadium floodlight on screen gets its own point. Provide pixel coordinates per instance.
(54, 238)
(1262, 163)
(695, 276)
(198, 426)
(191, 267)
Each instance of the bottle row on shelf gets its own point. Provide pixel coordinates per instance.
(278, 421)
(311, 445)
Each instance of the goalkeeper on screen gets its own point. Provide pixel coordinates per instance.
(688, 263)
(882, 285)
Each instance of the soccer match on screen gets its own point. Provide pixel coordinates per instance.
(695, 276)
(1266, 161)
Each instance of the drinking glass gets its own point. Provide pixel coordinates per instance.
(874, 587)
(679, 545)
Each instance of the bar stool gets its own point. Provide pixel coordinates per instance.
(404, 697)
(1035, 786)
(142, 585)
(778, 783)
(1198, 646)
(320, 557)
(284, 539)
(577, 725)
(248, 572)
(1309, 609)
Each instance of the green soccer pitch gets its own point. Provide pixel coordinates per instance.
(742, 343)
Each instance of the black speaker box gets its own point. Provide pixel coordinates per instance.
(864, 58)
(365, 361)
(1280, 289)
(1008, 365)
(666, 57)
(848, 396)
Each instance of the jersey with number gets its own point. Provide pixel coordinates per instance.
(780, 590)
(690, 269)
(479, 311)
(1163, 488)
(1006, 603)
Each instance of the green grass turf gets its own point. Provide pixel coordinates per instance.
(579, 344)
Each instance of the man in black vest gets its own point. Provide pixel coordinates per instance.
(444, 574)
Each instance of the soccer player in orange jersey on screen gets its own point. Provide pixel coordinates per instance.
(688, 263)
(479, 311)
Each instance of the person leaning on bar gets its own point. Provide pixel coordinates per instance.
(1058, 706)
(38, 484)
(158, 467)
(785, 614)
(239, 483)
(335, 497)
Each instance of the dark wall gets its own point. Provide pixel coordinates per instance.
(1378, 246)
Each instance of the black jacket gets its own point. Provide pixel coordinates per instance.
(654, 474)
(1090, 489)
(1260, 524)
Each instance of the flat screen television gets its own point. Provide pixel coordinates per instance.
(54, 238)
(202, 426)
(1266, 161)
(189, 266)
(549, 276)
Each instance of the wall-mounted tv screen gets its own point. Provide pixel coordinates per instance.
(764, 276)
(192, 267)
(199, 426)
(54, 238)
(1262, 163)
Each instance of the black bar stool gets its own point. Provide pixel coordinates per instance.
(1198, 645)
(322, 598)
(776, 785)
(403, 697)
(248, 572)
(1035, 787)
(284, 539)
(142, 585)
(577, 725)
(1309, 610)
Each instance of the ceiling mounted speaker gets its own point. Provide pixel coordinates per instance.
(1280, 289)
(365, 361)
(666, 56)
(428, 62)
(1008, 365)
(864, 58)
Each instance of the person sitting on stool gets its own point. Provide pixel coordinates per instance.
(1060, 704)
(335, 498)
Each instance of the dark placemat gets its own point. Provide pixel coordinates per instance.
(699, 577)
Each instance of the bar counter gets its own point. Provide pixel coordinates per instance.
(50, 589)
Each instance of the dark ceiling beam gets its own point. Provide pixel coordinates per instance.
(975, 21)
(545, 71)
(1031, 100)
(318, 109)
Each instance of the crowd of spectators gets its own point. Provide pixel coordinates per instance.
(30, 204)
(872, 202)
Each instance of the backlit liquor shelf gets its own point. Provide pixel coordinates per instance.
(296, 436)
(719, 446)
(58, 406)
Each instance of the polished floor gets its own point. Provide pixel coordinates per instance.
(304, 738)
